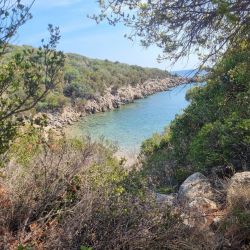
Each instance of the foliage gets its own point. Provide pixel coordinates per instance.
(26, 146)
(235, 225)
(75, 195)
(181, 27)
(13, 15)
(54, 101)
(213, 130)
(25, 76)
(86, 77)
(152, 144)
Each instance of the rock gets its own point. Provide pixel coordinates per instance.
(58, 124)
(239, 187)
(198, 202)
(200, 213)
(240, 179)
(166, 199)
(196, 185)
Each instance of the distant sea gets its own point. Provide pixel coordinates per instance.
(189, 72)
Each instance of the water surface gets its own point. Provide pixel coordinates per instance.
(130, 125)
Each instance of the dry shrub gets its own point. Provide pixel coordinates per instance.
(77, 194)
(54, 184)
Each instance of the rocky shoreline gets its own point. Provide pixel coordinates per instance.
(112, 99)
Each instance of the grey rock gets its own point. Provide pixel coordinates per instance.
(200, 213)
(239, 187)
(196, 185)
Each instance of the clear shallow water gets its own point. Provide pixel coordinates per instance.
(130, 125)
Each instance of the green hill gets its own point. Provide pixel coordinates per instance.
(84, 78)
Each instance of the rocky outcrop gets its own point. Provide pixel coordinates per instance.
(195, 202)
(239, 187)
(112, 99)
(200, 213)
(67, 117)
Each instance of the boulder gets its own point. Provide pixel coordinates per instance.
(198, 203)
(196, 185)
(200, 213)
(240, 179)
(239, 187)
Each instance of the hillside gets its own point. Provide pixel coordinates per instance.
(92, 76)
(212, 134)
(85, 79)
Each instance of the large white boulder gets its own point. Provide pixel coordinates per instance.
(240, 179)
(196, 185)
(197, 200)
(200, 213)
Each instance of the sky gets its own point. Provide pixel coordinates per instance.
(81, 35)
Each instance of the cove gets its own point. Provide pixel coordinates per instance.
(130, 125)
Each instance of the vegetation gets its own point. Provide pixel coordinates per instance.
(236, 223)
(27, 76)
(75, 194)
(213, 131)
(181, 27)
(85, 78)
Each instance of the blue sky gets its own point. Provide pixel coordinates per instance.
(82, 35)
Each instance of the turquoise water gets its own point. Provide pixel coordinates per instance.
(130, 125)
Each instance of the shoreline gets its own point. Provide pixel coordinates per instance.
(111, 100)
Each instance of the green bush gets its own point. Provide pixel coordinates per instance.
(54, 102)
(26, 146)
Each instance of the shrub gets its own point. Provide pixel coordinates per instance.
(212, 131)
(54, 102)
(75, 194)
(26, 146)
